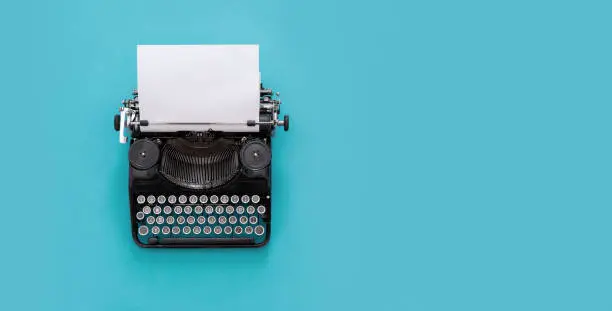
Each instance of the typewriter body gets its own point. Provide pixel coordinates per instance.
(200, 169)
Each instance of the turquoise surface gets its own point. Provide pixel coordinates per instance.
(444, 155)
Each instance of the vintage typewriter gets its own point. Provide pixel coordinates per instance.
(200, 128)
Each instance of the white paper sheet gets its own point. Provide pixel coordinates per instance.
(198, 84)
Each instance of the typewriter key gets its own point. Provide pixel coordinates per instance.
(151, 199)
(203, 199)
(171, 199)
(224, 199)
(182, 199)
(245, 199)
(219, 209)
(239, 210)
(197, 230)
(167, 210)
(169, 220)
(255, 199)
(157, 210)
(238, 230)
(178, 209)
(201, 220)
(227, 230)
(207, 230)
(212, 220)
(229, 209)
(243, 220)
(187, 210)
(253, 220)
(140, 215)
(176, 230)
(250, 209)
(218, 230)
(209, 209)
(198, 209)
(193, 199)
(143, 230)
(146, 210)
(214, 199)
(235, 199)
(159, 220)
(165, 230)
(150, 220)
(222, 220)
(141, 199)
(155, 230)
(186, 230)
(248, 229)
(161, 199)
(180, 220)
(261, 209)
(191, 220)
(259, 230)
(232, 220)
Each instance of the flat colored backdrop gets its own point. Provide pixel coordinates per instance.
(443, 155)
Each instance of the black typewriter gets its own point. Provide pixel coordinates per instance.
(201, 187)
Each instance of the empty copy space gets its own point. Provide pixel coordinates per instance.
(198, 84)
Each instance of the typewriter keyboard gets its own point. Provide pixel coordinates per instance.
(214, 216)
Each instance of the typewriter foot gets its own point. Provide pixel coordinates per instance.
(286, 123)
(117, 122)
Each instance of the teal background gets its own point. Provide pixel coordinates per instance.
(444, 155)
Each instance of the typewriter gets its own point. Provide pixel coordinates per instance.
(199, 128)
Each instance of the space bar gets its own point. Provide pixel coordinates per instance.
(205, 241)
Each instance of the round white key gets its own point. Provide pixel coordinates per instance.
(197, 230)
(150, 220)
(253, 220)
(219, 209)
(151, 199)
(218, 230)
(170, 220)
(186, 230)
(180, 220)
(229, 209)
(146, 210)
(203, 199)
(172, 199)
(261, 209)
(255, 199)
(235, 199)
(161, 199)
(248, 230)
(201, 220)
(165, 230)
(191, 220)
(224, 199)
(193, 199)
(222, 220)
(244, 220)
(211, 220)
(178, 209)
(140, 215)
(239, 210)
(207, 230)
(143, 230)
(141, 199)
(182, 199)
(232, 220)
(250, 209)
(214, 199)
(167, 209)
(259, 230)
(209, 209)
(157, 210)
(155, 230)
(238, 230)
(187, 209)
(159, 220)
(245, 199)
(176, 230)
(227, 230)
(198, 210)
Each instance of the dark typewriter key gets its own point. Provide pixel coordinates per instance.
(171, 199)
(141, 199)
(186, 230)
(239, 210)
(169, 220)
(176, 230)
(150, 220)
(201, 220)
(140, 215)
(197, 230)
(159, 220)
(203, 199)
(143, 230)
(234, 199)
(212, 220)
(255, 155)
(182, 199)
(232, 220)
(191, 220)
(161, 199)
(193, 199)
(146, 210)
(155, 230)
(253, 220)
(167, 210)
(255, 199)
(151, 199)
(180, 220)
(214, 199)
(207, 230)
(251, 209)
(178, 209)
(157, 210)
(222, 220)
(248, 230)
(224, 199)
(259, 230)
(198, 210)
(227, 230)
(218, 230)
(219, 209)
(238, 230)
(244, 220)
(165, 230)
(229, 209)
(187, 210)
(261, 209)
(143, 154)
(245, 199)
(209, 209)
